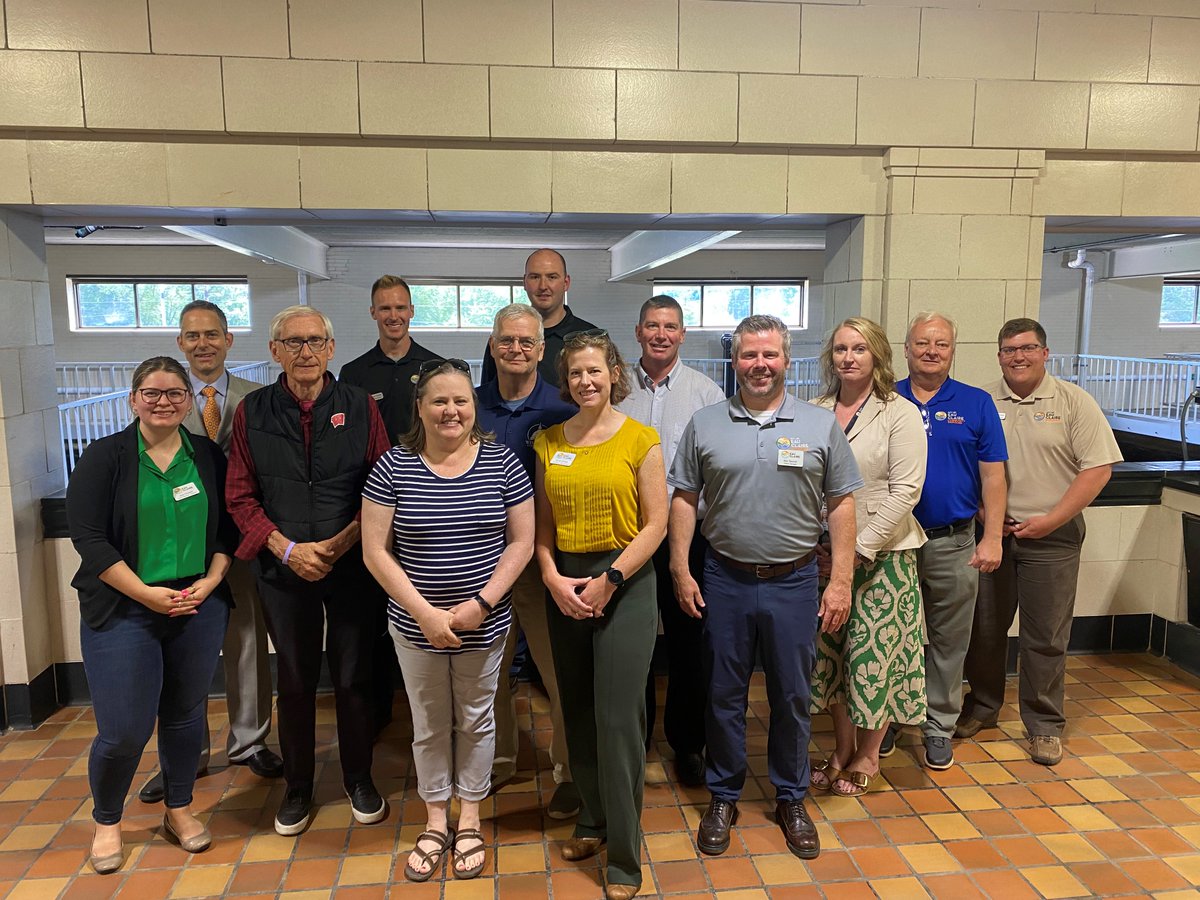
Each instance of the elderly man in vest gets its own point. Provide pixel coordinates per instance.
(299, 454)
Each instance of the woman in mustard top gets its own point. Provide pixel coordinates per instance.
(146, 510)
(601, 501)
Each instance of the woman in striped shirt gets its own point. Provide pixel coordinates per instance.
(447, 527)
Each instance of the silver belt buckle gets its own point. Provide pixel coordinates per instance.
(763, 572)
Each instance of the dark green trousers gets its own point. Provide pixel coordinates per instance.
(602, 666)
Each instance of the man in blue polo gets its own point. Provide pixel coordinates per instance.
(967, 451)
(766, 464)
(516, 405)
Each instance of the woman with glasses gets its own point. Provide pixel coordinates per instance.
(601, 513)
(872, 671)
(146, 510)
(447, 523)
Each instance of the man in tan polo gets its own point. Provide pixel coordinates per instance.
(1060, 455)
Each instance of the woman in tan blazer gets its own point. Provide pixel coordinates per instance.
(872, 672)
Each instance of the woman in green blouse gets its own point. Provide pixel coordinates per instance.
(146, 509)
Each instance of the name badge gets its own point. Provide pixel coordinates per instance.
(378, 396)
(185, 490)
(793, 457)
(562, 458)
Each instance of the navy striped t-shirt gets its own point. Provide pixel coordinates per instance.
(449, 533)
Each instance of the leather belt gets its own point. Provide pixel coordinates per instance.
(765, 572)
(947, 530)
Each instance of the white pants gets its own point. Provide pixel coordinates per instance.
(452, 696)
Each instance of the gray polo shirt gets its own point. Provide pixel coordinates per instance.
(760, 510)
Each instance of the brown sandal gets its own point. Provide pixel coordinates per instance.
(434, 857)
(860, 783)
(828, 771)
(468, 834)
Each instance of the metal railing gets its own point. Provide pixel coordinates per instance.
(1127, 386)
(91, 379)
(804, 376)
(98, 413)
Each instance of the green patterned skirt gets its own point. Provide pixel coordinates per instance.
(875, 664)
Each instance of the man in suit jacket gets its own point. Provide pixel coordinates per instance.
(204, 339)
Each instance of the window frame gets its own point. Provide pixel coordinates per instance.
(1194, 283)
(73, 282)
(664, 287)
(516, 294)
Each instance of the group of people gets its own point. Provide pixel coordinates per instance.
(579, 501)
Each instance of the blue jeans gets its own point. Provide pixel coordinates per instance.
(746, 618)
(142, 666)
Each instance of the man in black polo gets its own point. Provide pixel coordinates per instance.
(546, 284)
(388, 371)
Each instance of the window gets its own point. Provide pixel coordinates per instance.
(1180, 303)
(722, 304)
(110, 303)
(462, 305)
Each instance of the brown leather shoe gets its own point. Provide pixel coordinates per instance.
(713, 835)
(577, 848)
(621, 891)
(798, 829)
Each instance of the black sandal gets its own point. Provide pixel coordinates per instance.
(470, 834)
(434, 857)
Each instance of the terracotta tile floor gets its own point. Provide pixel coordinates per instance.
(1119, 817)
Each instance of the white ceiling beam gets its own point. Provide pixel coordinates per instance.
(1175, 258)
(279, 244)
(645, 250)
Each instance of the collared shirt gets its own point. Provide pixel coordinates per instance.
(392, 382)
(963, 429)
(222, 386)
(1053, 435)
(516, 429)
(668, 406)
(172, 515)
(241, 480)
(548, 367)
(760, 510)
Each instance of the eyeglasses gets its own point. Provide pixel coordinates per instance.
(1024, 350)
(508, 342)
(433, 365)
(174, 395)
(589, 333)
(295, 344)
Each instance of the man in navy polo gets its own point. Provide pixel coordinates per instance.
(967, 451)
(516, 405)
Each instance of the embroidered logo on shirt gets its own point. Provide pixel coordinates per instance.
(1047, 416)
(950, 418)
(337, 420)
(783, 443)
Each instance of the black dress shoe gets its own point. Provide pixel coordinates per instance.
(265, 763)
(798, 829)
(689, 769)
(713, 835)
(153, 790)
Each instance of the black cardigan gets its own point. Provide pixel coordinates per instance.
(102, 498)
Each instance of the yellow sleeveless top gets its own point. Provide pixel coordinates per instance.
(595, 495)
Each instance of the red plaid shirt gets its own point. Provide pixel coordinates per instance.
(242, 494)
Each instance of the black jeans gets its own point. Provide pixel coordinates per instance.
(343, 609)
(142, 666)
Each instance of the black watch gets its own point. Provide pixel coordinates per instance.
(615, 576)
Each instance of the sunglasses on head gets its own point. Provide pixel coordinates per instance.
(433, 365)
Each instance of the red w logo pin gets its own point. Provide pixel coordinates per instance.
(337, 420)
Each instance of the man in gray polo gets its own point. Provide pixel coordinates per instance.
(665, 395)
(766, 464)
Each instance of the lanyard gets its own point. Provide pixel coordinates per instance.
(854, 418)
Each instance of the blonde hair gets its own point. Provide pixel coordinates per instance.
(883, 375)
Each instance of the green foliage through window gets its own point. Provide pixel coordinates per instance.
(1180, 303)
(722, 304)
(461, 305)
(154, 304)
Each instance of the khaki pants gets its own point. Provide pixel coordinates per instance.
(529, 615)
(1038, 578)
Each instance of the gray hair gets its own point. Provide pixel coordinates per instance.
(515, 311)
(926, 316)
(759, 325)
(293, 312)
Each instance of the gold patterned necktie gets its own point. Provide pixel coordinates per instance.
(210, 414)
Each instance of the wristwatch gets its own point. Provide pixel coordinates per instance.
(615, 577)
